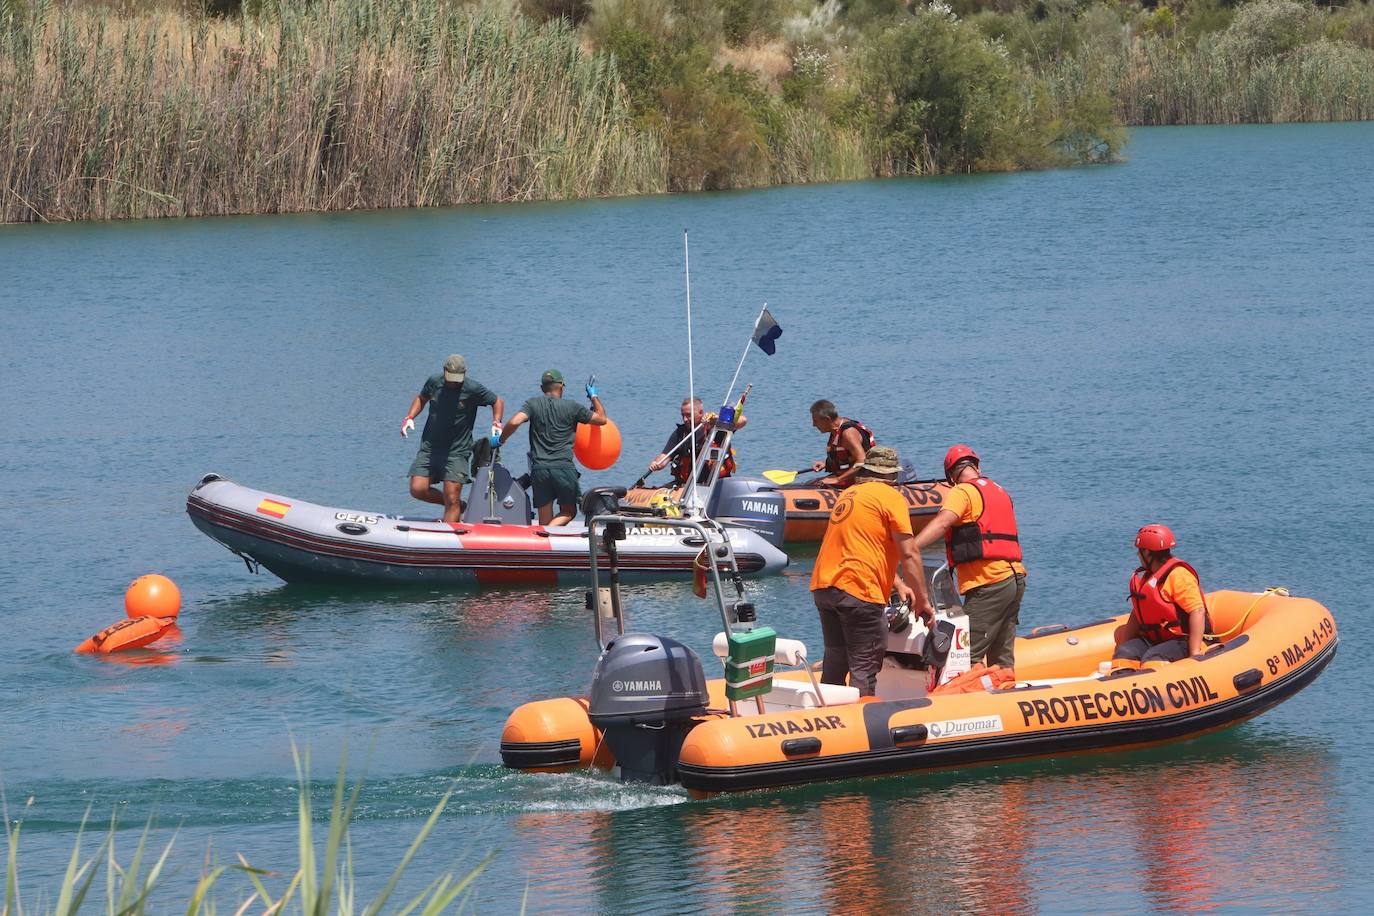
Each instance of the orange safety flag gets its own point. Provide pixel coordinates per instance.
(977, 679)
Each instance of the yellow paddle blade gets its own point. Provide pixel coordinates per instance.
(781, 478)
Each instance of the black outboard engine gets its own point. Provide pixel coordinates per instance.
(749, 502)
(646, 693)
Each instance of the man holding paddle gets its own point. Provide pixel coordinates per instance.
(849, 442)
(678, 452)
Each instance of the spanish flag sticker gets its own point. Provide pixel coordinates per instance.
(273, 508)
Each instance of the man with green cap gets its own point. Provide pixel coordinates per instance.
(446, 443)
(553, 426)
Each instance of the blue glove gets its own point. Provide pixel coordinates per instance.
(591, 386)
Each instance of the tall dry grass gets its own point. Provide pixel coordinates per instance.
(1261, 69)
(333, 105)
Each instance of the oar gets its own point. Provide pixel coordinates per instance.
(640, 482)
(783, 478)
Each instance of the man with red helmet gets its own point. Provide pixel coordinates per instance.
(984, 548)
(1168, 613)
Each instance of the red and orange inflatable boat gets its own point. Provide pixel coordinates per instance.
(652, 714)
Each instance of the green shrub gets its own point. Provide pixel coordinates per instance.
(944, 98)
(574, 11)
(1266, 28)
(743, 21)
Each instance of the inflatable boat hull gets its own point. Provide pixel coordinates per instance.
(303, 542)
(1060, 707)
(807, 508)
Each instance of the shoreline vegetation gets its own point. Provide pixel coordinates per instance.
(153, 108)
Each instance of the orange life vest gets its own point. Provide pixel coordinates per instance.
(978, 679)
(992, 535)
(837, 456)
(681, 468)
(1160, 619)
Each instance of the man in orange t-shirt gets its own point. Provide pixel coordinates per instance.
(979, 527)
(867, 551)
(1168, 613)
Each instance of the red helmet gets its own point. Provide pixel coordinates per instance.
(1155, 537)
(956, 454)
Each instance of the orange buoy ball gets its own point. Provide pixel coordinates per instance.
(597, 447)
(152, 596)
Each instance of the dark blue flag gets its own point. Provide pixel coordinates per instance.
(767, 332)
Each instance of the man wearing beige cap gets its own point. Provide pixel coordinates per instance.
(867, 551)
(446, 442)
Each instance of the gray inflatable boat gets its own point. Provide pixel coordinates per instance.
(301, 541)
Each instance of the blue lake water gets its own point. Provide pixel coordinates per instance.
(1181, 338)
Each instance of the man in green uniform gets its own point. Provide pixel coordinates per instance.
(553, 426)
(446, 443)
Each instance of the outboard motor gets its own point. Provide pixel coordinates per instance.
(749, 502)
(646, 694)
(495, 498)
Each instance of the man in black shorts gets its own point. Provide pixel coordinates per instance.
(553, 427)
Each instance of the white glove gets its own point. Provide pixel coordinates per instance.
(407, 427)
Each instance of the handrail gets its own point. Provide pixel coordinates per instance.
(705, 527)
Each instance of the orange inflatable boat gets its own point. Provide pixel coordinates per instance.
(652, 714)
(806, 510)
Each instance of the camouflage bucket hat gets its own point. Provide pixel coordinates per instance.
(882, 461)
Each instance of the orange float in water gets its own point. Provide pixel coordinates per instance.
(129, 633)
(152, 596)
(597, 447)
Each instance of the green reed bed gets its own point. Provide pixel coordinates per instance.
(322, 883)
(339, 104)
(335, 105)
(1276, 61)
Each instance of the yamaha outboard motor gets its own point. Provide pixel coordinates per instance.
(646, 693)
(749, 502)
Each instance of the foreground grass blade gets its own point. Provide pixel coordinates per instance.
(376, 906)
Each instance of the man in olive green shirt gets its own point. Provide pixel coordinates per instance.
(553, 426)
(446, 443)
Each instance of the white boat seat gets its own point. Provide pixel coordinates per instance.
(790, 652)
(790, 694)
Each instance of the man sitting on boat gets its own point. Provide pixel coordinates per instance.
(867, 552)
(849, 442)
(679, 452)
(445, 454)
(553, 427)
(1168, 613)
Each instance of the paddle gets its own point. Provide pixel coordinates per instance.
(783, 478)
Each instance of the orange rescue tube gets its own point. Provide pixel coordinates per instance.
(597, 447)
(129, 633)
(152, 596)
